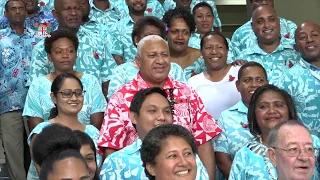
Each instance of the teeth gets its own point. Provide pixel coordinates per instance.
(267, 31)
(310, 47)
(182, 172)
(251, 92)
(73, 104)
(215, 58)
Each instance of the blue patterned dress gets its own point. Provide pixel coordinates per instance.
(90, 130)
(197, 67)
(127, 164)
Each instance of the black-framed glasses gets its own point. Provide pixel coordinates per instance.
(68, 93)
(295, 151)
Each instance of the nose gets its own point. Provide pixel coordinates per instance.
(73, 96)
(272, 109)
(65, 54)
(310, 39)
(265, 2)
(255, 83)
(183, 161)
(180, 35)
(303, 155)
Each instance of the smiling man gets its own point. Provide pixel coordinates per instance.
(153, 61)
(302, 81)
(272, 51)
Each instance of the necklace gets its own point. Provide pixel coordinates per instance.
(266, 162)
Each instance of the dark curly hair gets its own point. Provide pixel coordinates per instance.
(252, 120)
(199, 5)
(176, 13)
(58, 34)
(153, 142)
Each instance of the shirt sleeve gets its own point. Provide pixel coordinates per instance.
(32, 107)
(220, 143)
(116, 37)
(108, 62)
(98, 101)
(109, 169)
(238, 167)
(116, 81)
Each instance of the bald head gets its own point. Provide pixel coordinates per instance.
(307, 37)
(263, 10)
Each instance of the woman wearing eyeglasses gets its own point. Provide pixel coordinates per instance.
(67, 94)
(61, 48)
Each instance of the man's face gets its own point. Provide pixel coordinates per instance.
(266, 25)
(31, 5)
(252, 78)
(16, 13)
(154, 61)
(185, 4)
(257, 3)
(290, 167)
(137, 6)
(154, 111)
(69, 14)
(308, 41)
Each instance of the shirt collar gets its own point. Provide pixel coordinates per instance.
(240, 107)
(308, 65)
(285, 43)
(142, 84)
(27, 31)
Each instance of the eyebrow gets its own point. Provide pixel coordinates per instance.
(294, 143)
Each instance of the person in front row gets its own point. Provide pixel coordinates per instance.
(233, 121)
(149, 108)
(294, 158)
(153, 60)
(168, 152)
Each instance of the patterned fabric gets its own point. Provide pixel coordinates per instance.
(128, 71)
(234, 135)
(250, 163)
(98, 29)
(118, 132)
(276, 62)
(15, 55)
(195, 40)
(197, 67)
(154, 8)
(302, 81)
(43, 22)
(2, 4)
(217, 96)
(93, 58)
(171, 4)
(244, 37)
(90, 130)
(108, 17)
(127, 164)
(39, 103)
(46, 5)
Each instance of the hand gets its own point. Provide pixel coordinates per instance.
(239, 62)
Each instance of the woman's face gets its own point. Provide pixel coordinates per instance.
(178, 35)
(69, 168)
(175, 160)
(214, 52)
(271, 109)
(204, 19)
(65, 103)
(63, 55)
(90, 159)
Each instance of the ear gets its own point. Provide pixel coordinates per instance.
(5, 14)
(272, 156)
(53, 98)
(136, 40)
(49, 57)
(132, 116)
(238, 85)
(295, 47)
(138, 61)
(54, 13)
(150, 169)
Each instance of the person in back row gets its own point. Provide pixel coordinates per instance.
(126, 72)
(243, 38)
(153, 60)
(149, 108)
(302, 81)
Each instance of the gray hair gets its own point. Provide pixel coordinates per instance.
(142, 42)
(273, 135)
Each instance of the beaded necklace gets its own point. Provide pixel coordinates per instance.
(266, 162)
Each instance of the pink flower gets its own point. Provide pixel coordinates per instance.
(149, 10)
(290, 64)
(42, 3)
(96, 55)
(193, 73)
(244, 125)
(231, 78)
(287, 36)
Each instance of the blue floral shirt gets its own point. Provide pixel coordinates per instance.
(92, 131)
(244, 37)
(171, 4)
(127, 164)
(250, 163)
(126, 72)
(302, 81)
(93, 58)
(197, 67)
(39, 103)
(15, 60)
(43, 22)
(277, 61)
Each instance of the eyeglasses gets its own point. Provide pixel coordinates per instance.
(295, 151)
(68, 93)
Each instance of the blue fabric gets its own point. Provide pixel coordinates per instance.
(127, 164)
(90, 130)
(197, 67)
(15, 60)
(302, 82)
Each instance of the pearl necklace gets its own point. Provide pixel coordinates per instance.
(266, 162)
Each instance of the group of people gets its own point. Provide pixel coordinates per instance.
(148, 89)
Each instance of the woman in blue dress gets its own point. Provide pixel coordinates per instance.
(268, 107)
(67, 94)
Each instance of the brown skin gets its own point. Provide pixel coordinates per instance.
(101, 4)
(258, 3)
(16, 15)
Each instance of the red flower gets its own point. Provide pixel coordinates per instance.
(42, 3)
(231, 78)
(96, 55)
(149, 10)
(1, 36)
(244, 125)
(193, 73)
(290, 64)
(287, 36)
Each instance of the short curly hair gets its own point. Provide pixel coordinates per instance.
(176, 13)
(58, 34)
(153, 142)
